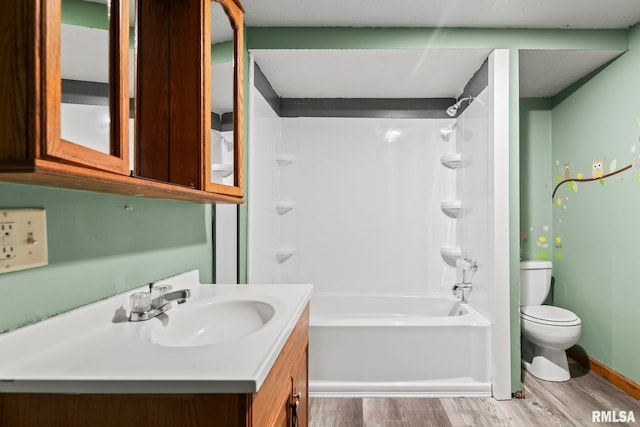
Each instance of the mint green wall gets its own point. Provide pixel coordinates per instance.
(97, 248)
(85, 14)
(440, 38)
(222, 52)
(597, 277)
(92, 15)
(536, 183)
(426, 38)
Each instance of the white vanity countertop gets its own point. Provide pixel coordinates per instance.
(87, 351)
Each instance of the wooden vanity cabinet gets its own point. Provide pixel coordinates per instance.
(286, 384)
(269, 407)
(170, 160)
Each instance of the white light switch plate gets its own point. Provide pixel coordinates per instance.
(23, 239)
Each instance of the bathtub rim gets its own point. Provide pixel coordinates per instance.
(472, 317)
(431, 294)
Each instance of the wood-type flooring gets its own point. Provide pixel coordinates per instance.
(547, 404)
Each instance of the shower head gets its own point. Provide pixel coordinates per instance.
(453, 110)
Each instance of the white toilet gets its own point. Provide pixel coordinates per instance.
(547, 331)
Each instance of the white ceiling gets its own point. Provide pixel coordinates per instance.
(444, 13)
(415, 73)
(370, 73)
(84, 54)
(221, 29)
(542, 73)
(222, 87)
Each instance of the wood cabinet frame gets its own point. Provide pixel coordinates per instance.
(235, 14)
(52, 145)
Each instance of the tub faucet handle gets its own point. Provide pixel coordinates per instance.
(470, 264)
(469, 267)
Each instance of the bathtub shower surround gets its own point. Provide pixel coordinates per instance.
(377, 222)
(369, 218)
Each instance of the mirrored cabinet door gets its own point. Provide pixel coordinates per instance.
(223, 95)
(87, 83)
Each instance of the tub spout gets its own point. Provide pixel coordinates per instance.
(468, 267)
(460, 289)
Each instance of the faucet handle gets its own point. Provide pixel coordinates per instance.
(470, 264)
(140, 302)
(158, 292)
(469, 267)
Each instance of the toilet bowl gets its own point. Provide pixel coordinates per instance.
(547, 331)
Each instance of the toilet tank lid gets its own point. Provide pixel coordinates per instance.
(535, 265)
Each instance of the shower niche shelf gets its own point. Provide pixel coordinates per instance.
(284, 206)
(221, 170)
(452, 161)
(451, 254)
(284, 252)
(285, 159)
(451, 208)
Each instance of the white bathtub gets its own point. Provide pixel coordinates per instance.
(389, 345)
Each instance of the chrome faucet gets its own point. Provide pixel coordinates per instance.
(147, 305)
(468, 268)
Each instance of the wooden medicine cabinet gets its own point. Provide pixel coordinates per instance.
(116, 97)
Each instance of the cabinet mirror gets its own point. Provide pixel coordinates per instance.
(224, 149)
(87, 93)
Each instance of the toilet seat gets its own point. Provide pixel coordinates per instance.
(549, 315)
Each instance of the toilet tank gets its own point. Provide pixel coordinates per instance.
(535, 281)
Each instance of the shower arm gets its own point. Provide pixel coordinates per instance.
(460, 101)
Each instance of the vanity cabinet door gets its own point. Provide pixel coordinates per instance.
(272, 404)
(283, 401)
(300, 392)
(273, 409)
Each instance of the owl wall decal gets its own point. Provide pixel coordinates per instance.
(597, 169)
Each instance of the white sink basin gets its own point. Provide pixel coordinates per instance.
(209, 322)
